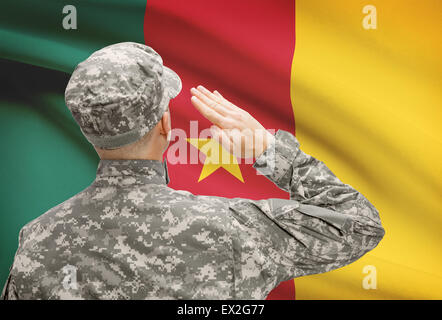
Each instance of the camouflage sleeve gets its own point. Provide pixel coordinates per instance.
(326, 225)
(9, 290)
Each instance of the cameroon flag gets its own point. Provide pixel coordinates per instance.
(361, 87)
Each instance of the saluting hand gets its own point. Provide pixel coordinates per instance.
(237, 131)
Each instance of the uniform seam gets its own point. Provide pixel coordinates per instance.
(232, 248)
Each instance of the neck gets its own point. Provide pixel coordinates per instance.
(147, 153)
(144, 149)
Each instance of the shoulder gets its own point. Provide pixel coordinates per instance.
(36, 228)
(235, 206)
(183, 197)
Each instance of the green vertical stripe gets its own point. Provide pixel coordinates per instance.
(45, 160)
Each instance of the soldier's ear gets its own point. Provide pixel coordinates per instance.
(165, 124)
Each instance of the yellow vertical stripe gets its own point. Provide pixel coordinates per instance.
(368, 103)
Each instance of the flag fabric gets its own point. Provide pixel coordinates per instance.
(243, 50)
(45, 160)
(366, 102)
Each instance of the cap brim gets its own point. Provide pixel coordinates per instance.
(172, 82)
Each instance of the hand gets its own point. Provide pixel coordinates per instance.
(237, 131)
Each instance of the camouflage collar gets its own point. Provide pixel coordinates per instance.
(142, 171)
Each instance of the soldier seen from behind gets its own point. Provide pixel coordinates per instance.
(129, 236)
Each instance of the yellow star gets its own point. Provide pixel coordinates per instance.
(216, 157)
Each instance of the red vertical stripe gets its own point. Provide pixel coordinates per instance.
(244, 49)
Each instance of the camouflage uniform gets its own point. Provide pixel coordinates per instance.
(129, 236)
(119, 93)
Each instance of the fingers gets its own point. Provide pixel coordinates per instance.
(212, 102)
(217, 109)
(208, 112)
(218, 94)
(218, 98)
(226, 102)
(209, 94)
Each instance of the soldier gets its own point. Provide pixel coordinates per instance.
(129, 236)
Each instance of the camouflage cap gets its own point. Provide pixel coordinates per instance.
(120, 93)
